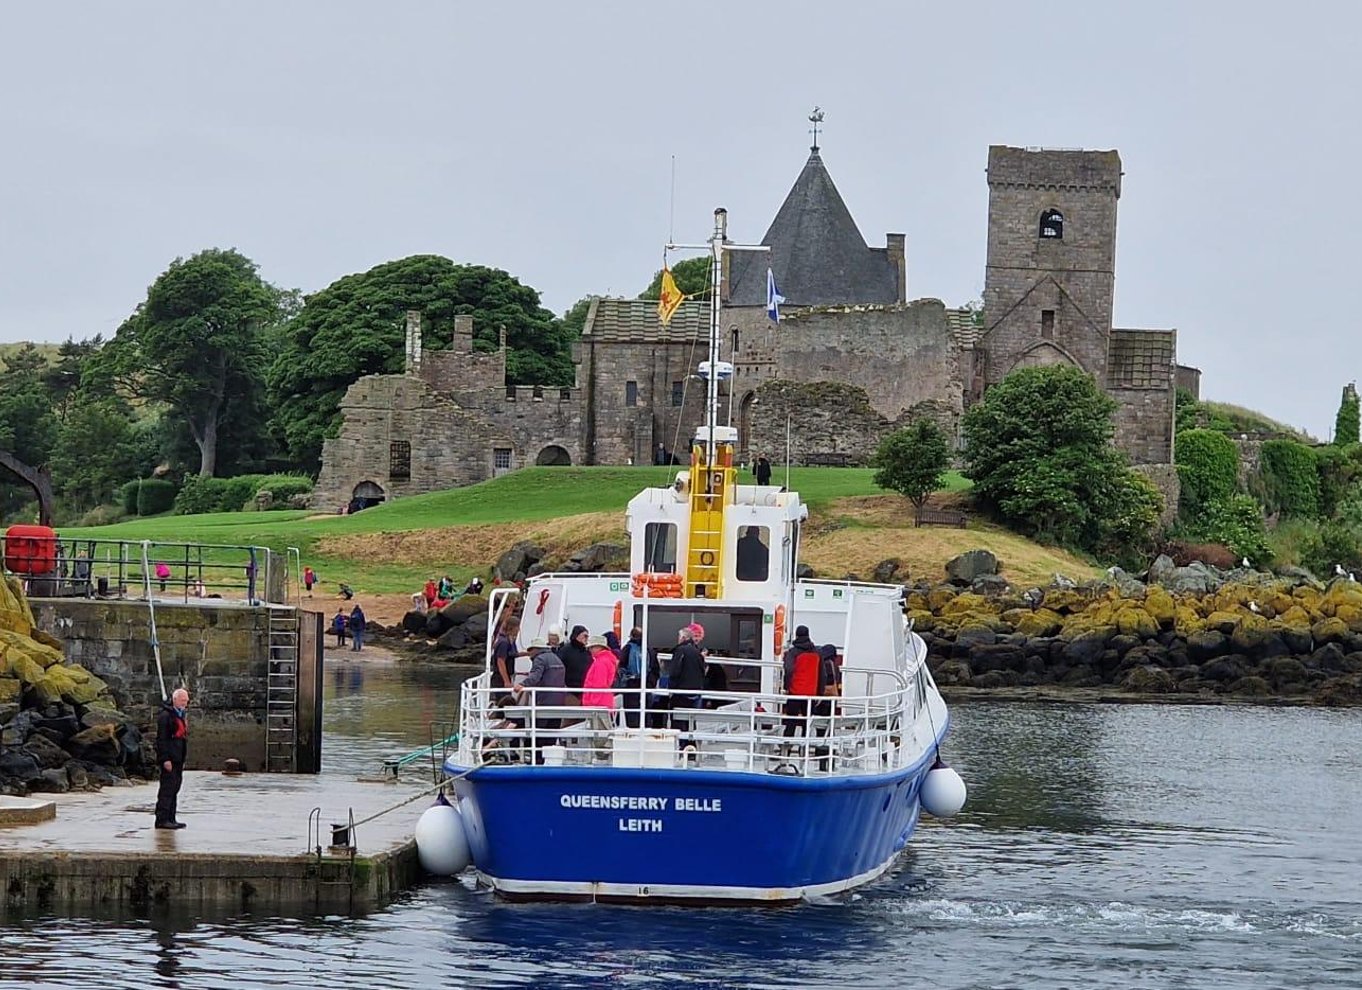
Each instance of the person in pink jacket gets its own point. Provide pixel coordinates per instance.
(598, 687)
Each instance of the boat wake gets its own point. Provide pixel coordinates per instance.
(1122, 916)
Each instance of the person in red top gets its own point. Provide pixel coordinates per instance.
(309, 579)
(430, 593)
(804, 679)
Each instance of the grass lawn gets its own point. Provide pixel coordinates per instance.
(530, 495)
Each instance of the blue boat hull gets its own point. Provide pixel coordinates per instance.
(683, 835)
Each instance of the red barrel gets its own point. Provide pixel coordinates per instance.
(30, 550)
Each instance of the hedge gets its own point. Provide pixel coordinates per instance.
(154, 496)
(201, 494)
(1208, 469)
(127, 497)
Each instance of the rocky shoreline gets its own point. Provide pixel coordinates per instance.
(1189, 634)
(60, 729)
(1194, 633)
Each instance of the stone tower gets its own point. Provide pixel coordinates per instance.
(1051, 264)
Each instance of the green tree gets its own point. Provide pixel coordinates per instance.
(28, 426)
(692, 277)
(1346, 423)
(97, 449)
(913, 461)
(1039, 450)
(574, 320)
(199, 344)
(63, 376)
(356, 327)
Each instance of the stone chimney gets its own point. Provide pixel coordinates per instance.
(893, 244)
(413, 362)
(463, 334)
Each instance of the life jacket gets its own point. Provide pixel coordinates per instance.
(804, 677)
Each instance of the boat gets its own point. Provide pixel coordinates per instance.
(747, 794)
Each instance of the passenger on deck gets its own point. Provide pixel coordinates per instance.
(504, 652)
(546, 674)
(832, 675)
(687, 676)
(803, 679)
(600, 677)
(445, 589)
(576, 658)
(555, 637)
(754, 560)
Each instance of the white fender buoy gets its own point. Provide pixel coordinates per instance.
(441, 843)
(943, 792)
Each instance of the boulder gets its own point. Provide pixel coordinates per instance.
(1285, 672)
(78, 778)
(971, 636)
(462, 608)
(1123, 643)
(1297, 640)
(1148, 679)
(804, 571)
(1222, 621)
(1126, 584)
(1250, 633)
(1194, 579)
(939, 597)
(1225, 669)
(923, 621)
(512, 564)
(19, 766)
(101, 716)
(1159, 604)
(886, 569)
(1086, 647)
(990, 584)
(952, 672)
(1134, 621)
(476, 627)
(999, 656)
(97, 745)
(1161, 569)
(1300, 575)
(1330, 630)
(9, 689)
(436, 623)
(63, 725)
(1041, 622)
(1251, 686)
(45, 751)
(1062, 582)
(414, 622)
(52, 781)
(598, 557)
(453, 639)
(970, 565)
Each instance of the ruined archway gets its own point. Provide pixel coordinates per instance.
(366, 495)
(1044, 355)
(39, 479)
(554, 456)
(745, 409)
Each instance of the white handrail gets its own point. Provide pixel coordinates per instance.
(151, 610)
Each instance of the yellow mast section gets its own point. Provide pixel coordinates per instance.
(711, 491)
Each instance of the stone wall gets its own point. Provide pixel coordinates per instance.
(830, 423)
(219, 652)
(1188, 379)
(649, 371)
(1144, 423)
(1165, 479)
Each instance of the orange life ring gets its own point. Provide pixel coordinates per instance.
(780, 628)
(617, 619)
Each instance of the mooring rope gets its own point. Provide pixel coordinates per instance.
(421, 793)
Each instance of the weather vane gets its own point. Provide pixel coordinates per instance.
(815, 119)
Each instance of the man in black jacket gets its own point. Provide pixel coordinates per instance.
(172, 744)
(687, 669)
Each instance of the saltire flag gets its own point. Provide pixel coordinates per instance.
(670, 298)
(773, 297)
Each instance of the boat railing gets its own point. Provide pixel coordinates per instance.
(660, 728)
(837, 583)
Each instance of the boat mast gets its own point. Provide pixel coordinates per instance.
(716, 274)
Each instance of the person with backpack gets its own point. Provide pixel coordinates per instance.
(338, 623)
(630, 673)
(804, 679)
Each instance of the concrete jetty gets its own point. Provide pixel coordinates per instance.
(247, 844)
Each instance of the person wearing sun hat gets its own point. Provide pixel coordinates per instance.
(546, 674)
(600, 677)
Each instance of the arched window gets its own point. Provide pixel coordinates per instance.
(1052, 225)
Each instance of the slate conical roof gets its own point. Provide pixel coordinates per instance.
(817, 253)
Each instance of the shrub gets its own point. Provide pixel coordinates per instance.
(1237, 522)
(127, 497)
(1340, 476)
(154, 496)
(1346, 423)
(1215, 554)
(281, 486)
(238, 491)
(1290, 479)
(1318, 546)
(1208, 469)
(102, 515)
(199, 494)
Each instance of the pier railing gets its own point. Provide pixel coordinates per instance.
(885, 729)
(73, 567)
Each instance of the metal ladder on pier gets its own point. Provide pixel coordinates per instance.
(281, 700)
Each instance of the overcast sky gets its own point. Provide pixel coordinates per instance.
(322, 138)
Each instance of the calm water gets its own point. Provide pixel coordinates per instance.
(1104, 847)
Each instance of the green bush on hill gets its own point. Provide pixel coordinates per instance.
(154, 496)
(1235, 522)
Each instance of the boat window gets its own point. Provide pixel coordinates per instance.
(659, 548)
(754, 553)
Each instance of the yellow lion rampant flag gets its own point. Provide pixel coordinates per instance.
(669, 299)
